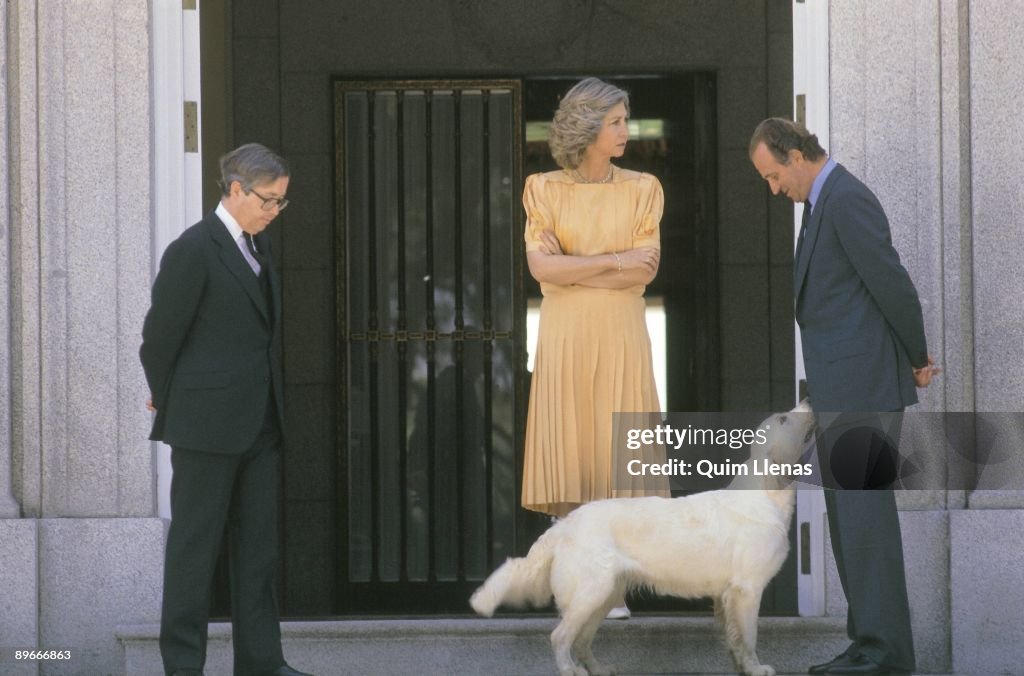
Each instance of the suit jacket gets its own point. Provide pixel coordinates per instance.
(210, 342)
(858, 311)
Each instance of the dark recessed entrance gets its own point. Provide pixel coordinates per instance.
(431, 322)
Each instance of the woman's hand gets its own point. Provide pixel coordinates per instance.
(619, 270)
(549, 243)
(645, 258)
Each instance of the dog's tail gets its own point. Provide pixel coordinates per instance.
(521, 581)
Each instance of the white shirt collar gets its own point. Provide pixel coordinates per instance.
(229, 221)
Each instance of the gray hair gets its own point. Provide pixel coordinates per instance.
(780, 135)
(251, 164)
(578, 119)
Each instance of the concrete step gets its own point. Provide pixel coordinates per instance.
(506, 646)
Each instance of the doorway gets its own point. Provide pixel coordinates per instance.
(672, 136)
(431, 302)
(299, 51)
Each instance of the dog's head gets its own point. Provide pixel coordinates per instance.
(786, 435)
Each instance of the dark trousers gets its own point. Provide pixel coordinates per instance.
(866, 538)
(208, 492)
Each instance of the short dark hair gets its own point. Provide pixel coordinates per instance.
(780, 135)
(251, 164)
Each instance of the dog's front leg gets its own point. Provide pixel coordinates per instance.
(740, 607)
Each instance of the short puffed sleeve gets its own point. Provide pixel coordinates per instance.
(538, 211)
(650, 205)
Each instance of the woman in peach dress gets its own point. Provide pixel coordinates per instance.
(593, 243)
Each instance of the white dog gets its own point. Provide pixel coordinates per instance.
(726, 544)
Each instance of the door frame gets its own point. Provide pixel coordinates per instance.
(811, 108)
(177, 172)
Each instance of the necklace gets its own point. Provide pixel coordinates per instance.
(580, 178)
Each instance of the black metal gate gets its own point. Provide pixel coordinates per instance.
(431, 333)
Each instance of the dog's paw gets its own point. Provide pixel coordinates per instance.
(760, 670)
(601, 670)
(575, 670)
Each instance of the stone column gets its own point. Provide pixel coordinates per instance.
(994, 73)
(8, 505)
(82, 239)
(75, 273)
(987, 579)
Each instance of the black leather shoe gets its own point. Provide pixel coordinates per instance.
(861, 665)
(834, 662)
(285, 670)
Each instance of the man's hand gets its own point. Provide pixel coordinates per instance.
(149, 405)
(923, 376)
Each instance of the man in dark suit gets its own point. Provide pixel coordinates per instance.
(864, 353)
(210, 351)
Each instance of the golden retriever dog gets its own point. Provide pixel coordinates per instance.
(725, 544)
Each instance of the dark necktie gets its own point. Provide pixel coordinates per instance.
(264, 274)
(255, 254)
(803, 230)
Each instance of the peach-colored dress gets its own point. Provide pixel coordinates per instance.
(593, 351)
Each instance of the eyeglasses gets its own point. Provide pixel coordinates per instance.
(270, 202)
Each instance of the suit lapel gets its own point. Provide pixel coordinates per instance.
(233, 260)
(805, 252)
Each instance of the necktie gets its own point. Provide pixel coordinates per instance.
(803, 230)
(253, 257)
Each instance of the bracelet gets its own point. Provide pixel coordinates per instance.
(618, 260)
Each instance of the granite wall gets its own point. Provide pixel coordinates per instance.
(925, 108)
(75, 271)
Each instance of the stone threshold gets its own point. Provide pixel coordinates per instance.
(506, 645)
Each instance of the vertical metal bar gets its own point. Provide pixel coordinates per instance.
(371, 220)
(431, 344)
(460, 326)
(344, 350)
(518, 317)
(403, 394)
(488, 328)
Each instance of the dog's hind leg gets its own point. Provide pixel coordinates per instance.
(584, 641)
(740, 607)
(719, 606)
(582, 611)
(562, 639)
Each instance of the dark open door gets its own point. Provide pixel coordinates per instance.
(430, 329)
(431, 298)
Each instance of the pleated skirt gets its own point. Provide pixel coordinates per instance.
(593, 360)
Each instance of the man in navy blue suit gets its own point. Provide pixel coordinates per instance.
(211, 353)
(864, 352)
